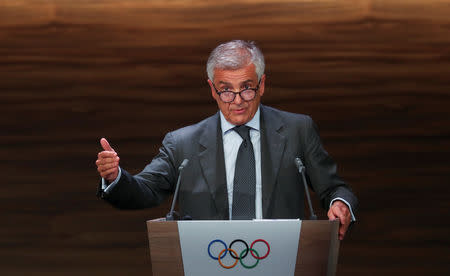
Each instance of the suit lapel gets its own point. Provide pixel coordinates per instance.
(272, 149)
(212, 164)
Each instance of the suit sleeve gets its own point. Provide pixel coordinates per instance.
(151, 186)
(322, 171)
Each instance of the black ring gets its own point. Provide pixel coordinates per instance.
(237, 257)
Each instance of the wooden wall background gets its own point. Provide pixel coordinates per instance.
(374, 74)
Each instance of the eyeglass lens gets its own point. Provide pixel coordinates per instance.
(246, 95)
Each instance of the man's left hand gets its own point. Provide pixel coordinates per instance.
(339, 210)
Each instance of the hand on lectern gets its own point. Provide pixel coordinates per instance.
(107, 162)
(339, 210)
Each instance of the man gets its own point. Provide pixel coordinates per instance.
(241, 160)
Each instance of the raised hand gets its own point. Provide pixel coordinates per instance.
(107, 162)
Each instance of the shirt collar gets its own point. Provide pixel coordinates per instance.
(253, 123)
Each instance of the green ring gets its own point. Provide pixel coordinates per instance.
(248, 266)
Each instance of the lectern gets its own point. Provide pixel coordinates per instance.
(283, 247)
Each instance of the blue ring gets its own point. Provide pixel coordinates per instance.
(209, 249)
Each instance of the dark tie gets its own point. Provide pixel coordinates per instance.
(244, 177)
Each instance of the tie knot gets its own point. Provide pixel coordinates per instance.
(243, 131)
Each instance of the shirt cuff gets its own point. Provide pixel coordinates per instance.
(106, 187)
(346, 203)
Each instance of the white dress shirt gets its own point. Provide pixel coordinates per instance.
(231, 143)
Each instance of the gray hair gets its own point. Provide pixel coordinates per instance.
(234, 55)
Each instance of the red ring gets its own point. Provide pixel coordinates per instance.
(268, 249)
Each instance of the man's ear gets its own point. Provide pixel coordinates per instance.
(213, 91)
(262, 85)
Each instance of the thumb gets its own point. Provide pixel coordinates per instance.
(105, 145)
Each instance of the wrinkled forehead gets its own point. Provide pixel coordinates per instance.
(235, 77)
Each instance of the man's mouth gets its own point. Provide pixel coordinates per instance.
(239, 110)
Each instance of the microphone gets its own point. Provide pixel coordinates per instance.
(301, 170)
(299, 164)
(172, 215)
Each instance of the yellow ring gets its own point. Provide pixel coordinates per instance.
(231, 266)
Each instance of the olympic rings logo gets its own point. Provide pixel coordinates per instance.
(238, 257)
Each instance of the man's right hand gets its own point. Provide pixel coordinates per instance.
(107, 162)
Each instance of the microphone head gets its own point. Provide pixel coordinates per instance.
(298, 162)
(183, 164)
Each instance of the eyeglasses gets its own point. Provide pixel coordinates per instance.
(247, 94)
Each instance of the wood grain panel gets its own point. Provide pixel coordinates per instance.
(165, 248)
(318, 246)
(374, 75)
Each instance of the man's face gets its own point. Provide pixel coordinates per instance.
(237, 112)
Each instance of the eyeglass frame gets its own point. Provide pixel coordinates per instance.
(235, 93)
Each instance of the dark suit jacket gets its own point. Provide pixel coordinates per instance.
(203, 191)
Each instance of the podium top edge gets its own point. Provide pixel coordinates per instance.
(240, 221)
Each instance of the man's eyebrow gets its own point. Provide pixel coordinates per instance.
(244, 82)
(247, 81)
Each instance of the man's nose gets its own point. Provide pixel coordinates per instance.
(238, 99)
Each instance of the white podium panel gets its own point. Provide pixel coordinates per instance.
(260, 247)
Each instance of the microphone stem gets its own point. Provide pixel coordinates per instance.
(313, 216)
(175, 194)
